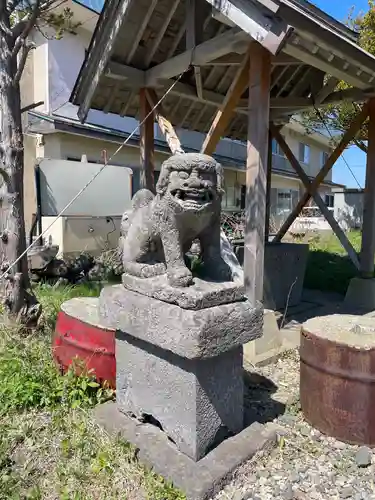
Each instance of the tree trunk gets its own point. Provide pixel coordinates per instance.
(20, 302)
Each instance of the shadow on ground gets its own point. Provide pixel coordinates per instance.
(258, 402)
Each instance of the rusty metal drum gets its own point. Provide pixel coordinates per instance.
(337, 377)
(79, 334)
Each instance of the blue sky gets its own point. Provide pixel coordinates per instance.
(353, 156)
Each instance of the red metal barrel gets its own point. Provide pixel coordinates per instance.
(79, 334)
(337, 378)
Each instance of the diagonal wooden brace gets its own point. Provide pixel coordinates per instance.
(324, 171)
(318, 200)
(165, 125)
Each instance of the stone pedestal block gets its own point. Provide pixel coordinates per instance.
(180, 368)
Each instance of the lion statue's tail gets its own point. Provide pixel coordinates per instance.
(141, 198)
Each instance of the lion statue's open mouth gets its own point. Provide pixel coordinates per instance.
(193, 197)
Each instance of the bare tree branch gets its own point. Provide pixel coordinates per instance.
(361, 145)
(28, 26)
(25, 49)
(29, 107)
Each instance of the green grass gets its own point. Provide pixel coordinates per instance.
(328, 267)
(50, 448)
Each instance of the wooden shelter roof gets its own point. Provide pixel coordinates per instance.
(148, 43)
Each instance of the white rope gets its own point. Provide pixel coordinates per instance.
(92, 179)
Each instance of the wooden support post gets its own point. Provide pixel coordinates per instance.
(165, 125)
(368, 225)
(146, 143)
(324, 171)
(256, 170)
(318, 200)
(224, 114)
(268, 191)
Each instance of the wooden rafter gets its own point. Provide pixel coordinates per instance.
(161, 32)
(140, 31)
(317, 198)
(206, 51)
(165, 125)
(328, 88)
(194, 36)
(324, 171)
(225, 112)
(185, 116)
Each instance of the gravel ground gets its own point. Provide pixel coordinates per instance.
(305, 465)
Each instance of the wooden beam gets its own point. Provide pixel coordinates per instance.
(133, 76)
(161, 32)
(319, 62)
(330, 39)
(146, 144)
(176, 40)
(165, 125)
(328, 88)
(99, 58)
(324, 171)
(368, 225)
(199, 56)
(318, 200)
(194, 36)
(256, 170)
(253, 19)
(225, 113)
(140, 31)
(229, 60)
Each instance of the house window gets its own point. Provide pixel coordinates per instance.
(232, 197)
(330, 200)
(304, 153)
(323, 158)
(283, 201)
(276, 150)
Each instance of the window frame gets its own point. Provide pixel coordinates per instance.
(304, 153)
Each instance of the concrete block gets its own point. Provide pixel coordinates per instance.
(360, 296)
(284, 272)
(198, 480)
(268, 342)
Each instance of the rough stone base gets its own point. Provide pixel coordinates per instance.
(198, 480)
(190, 334)
(198, 402)
(360, 296)
(202, 294)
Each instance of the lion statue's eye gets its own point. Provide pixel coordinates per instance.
(183, 175)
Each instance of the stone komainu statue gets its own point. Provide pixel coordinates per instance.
(159, 230)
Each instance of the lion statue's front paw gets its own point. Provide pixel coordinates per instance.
(179, 276)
